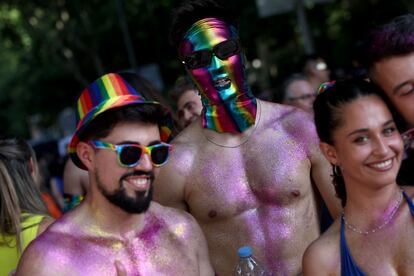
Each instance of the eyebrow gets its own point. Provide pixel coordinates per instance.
(363, 130)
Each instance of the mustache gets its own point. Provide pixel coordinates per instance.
(150, 174)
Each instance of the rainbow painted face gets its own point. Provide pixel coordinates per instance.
(212, 55)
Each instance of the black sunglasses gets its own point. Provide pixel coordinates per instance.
(202, 58)
(130, 154)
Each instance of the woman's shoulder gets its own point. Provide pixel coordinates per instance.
(323, 253)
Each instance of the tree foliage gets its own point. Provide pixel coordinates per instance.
(50, 50)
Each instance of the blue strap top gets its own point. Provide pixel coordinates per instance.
(348, 265)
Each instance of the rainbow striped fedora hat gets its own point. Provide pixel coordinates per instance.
(107, 92)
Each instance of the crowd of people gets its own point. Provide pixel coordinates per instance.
(153, 190)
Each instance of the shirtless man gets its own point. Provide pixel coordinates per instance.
(116, 229)
(249, 171)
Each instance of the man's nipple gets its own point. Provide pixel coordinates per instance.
(212, 214)
(295, 192)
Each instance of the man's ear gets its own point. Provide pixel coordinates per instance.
(329, 152)
(85, 154)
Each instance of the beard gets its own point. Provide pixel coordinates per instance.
(133, 205)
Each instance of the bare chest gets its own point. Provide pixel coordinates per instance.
(267, 171)
(97, 256)
(392, 246)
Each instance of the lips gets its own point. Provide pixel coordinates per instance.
(138, 183)
(222, 83)
(382, 165)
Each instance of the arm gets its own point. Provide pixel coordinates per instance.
(321, 175)
(169, 184)
(321, 169)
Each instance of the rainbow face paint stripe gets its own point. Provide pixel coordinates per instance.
(229, 105)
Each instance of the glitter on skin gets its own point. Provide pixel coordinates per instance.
(252, 197)
(79, 251)
(179, 230)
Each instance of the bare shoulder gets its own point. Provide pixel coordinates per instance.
(185, 147)
(322, 255)
(180, 224)
(294, 123)
(174, 217)
(170, 181)
(288, 117)
(39, 258)
(191, 134)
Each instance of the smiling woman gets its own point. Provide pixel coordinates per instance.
(359, 138)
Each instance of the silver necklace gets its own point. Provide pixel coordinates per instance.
(377, 228)
(247, 138)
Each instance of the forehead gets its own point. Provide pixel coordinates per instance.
(138, 132)
(206, 33)
(364, 112)
(393, 71)
(188, 96)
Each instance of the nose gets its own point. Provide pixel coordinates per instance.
(215, 62)
(145, 163)
(187, 116)
(381, 146)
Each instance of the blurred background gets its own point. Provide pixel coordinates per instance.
(51, 50)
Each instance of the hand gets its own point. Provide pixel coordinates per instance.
(120, 269)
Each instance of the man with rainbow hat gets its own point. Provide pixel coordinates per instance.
(117, 229)
(249, 171)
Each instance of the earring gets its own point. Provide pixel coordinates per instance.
(337, 170)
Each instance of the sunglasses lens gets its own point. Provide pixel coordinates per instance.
(198, 59)
(226, 49)
(130, 155)
(159, 154)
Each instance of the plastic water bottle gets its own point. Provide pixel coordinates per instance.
(248, 265)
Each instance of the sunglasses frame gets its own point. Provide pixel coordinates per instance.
(118, 149)
(211, 53)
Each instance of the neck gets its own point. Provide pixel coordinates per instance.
(233, 140)
(365, 207)
(110, 219)
(234, 115)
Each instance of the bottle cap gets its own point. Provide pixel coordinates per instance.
(245, 251)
